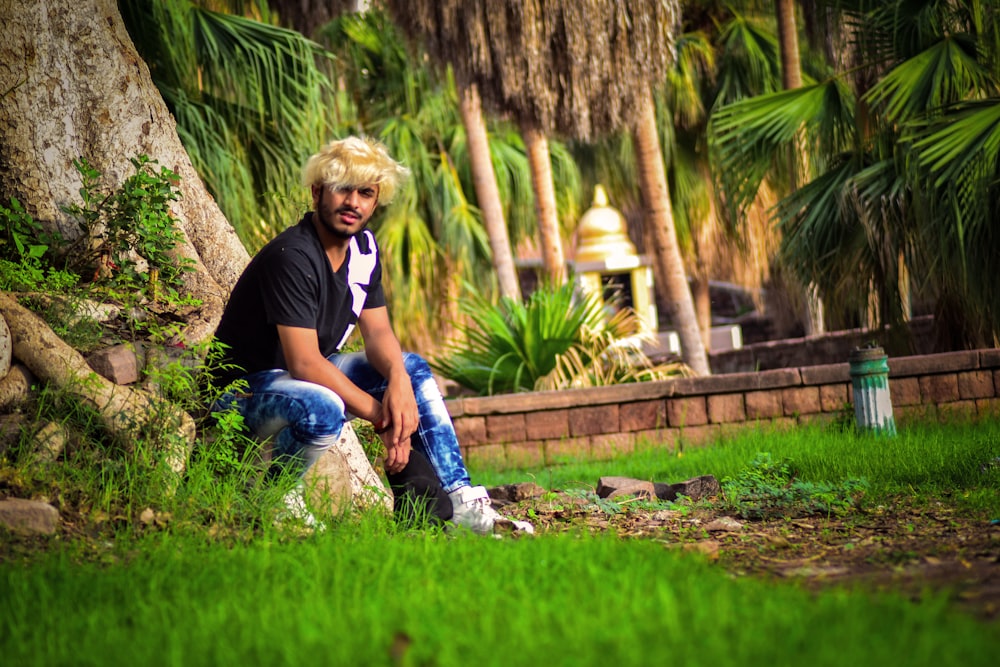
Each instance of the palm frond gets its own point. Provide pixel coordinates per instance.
(931, 80)
(748, 136)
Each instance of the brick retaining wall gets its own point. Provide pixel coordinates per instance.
(531, 429)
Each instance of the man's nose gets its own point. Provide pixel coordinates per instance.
(353, 199)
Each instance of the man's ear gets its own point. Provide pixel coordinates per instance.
(317, 192)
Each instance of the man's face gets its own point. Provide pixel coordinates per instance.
(345, 212)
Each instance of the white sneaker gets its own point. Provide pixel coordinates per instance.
(296, 511)
(473, 510)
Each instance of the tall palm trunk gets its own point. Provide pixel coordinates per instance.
(550, 240)
(485, 183)
(791, 77)
(659, 222)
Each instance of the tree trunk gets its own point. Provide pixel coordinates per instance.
(791, 77)
(72, 85)
(702, 299)
(487, 194)
(549, 236)
(659, 222)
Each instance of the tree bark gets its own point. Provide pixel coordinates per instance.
(549, 236)
(72, 85)
(791, 77)
(487, 194)
(660, 230)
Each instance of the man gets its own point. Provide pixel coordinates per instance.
(294, 308)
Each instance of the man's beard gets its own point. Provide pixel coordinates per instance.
(325, 215)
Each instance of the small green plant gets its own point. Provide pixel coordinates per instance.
(770, 488)
(130, 223)
(26, 254)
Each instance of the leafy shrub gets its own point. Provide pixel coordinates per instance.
(556, 339)
(133, 221)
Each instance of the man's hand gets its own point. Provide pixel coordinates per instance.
(396, 456)
(399, 409)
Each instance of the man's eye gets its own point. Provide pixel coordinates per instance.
(368, 193)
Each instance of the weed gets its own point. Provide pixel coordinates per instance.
(769, 488)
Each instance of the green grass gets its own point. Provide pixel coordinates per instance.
(175, 596)
(341, 598)
(925, 459)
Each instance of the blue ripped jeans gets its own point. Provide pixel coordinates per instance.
(304, 419)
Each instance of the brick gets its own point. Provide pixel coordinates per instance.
(642, 416)
(939, 389)
(593, 420)
(822, 418)
(726, 408)
(782, 424)
(963, 409)
(683, 412)
(526, 455)
(664, 438)
(800, 401)
(546, 425)
(914, 414)
(697, 436)
(989, 358)
(471, 430)
(904, 391)
(976, 384)
(763, 404)
(988, 408)
(505, 428)
(567, 449)
(487, 456)
(117, 363)
(734, 429)
(611, 445)
(834, 397)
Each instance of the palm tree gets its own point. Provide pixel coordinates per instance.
(579, 70)
(908, 163)
(791, 77)
(722, 56)
(250, 99)
(488, 49)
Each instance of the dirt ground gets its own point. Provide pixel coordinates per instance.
(914, 551)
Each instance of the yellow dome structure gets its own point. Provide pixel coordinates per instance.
(602, 232)
(607, 262)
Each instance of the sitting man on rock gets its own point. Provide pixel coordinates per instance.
(293, 310)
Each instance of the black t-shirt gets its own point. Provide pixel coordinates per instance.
(290, 282)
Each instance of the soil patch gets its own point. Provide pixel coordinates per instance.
(913, 551)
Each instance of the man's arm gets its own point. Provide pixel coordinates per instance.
(305, 362)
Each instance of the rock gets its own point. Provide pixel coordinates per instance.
(515, 493)
(696, 488)
(29, 516)
(724, 524)
(664, 491)
(118, 364)
(343, 477)
(625, 487)
(15, 386)
(50, 442)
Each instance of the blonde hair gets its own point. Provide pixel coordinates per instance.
(355, 162)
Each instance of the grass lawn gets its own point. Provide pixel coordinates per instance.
(366, 592)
